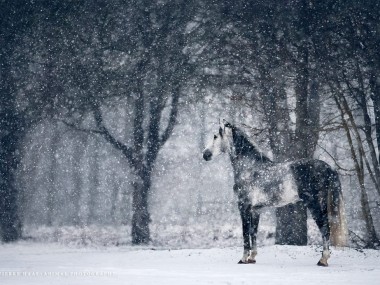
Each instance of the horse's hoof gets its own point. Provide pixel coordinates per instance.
(249, 261)
(322, 264)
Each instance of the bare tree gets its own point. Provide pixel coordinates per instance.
(350, 75)
(158, 72)
(14, 21)
(360, 160)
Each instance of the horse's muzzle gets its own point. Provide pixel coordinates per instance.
(207, 155)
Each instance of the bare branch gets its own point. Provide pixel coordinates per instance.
(77, 128)
(335, 161)
(172, 117)
(127, 151)
(347, 110)
(255, 131)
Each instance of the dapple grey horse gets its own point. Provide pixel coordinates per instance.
(261, 183)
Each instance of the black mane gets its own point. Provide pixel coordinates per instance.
(244, 147)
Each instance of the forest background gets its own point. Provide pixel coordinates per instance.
(107, 105)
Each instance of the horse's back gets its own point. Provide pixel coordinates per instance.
(308, 166)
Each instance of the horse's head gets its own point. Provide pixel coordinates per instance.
(220, 143)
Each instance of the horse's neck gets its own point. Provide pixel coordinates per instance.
(240, 163)
(242, 147)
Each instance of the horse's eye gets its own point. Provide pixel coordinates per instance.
(215, 137)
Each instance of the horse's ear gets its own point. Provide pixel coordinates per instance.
(226, 124)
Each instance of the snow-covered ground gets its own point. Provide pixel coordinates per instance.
(37, 263)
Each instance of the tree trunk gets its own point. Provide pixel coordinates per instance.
(291, 225)
(296, 215)
(78, 183)
(52, 187)
(9, 216)
(375, 96)
(373, 240)
(11, 133)
(94, 181)
(302, 132)
(367, 129)
(359, 168)
(141, 216)
(277, 117)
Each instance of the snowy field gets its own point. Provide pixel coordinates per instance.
(36, 263)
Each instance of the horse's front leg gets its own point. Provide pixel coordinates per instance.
(255, 218)
(246, 224)
(250, 249)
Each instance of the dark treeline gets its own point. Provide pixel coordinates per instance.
(305, 68)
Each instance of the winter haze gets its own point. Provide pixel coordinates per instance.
(106, 107)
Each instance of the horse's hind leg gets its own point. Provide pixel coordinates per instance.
(325, 253)
(319, 213)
